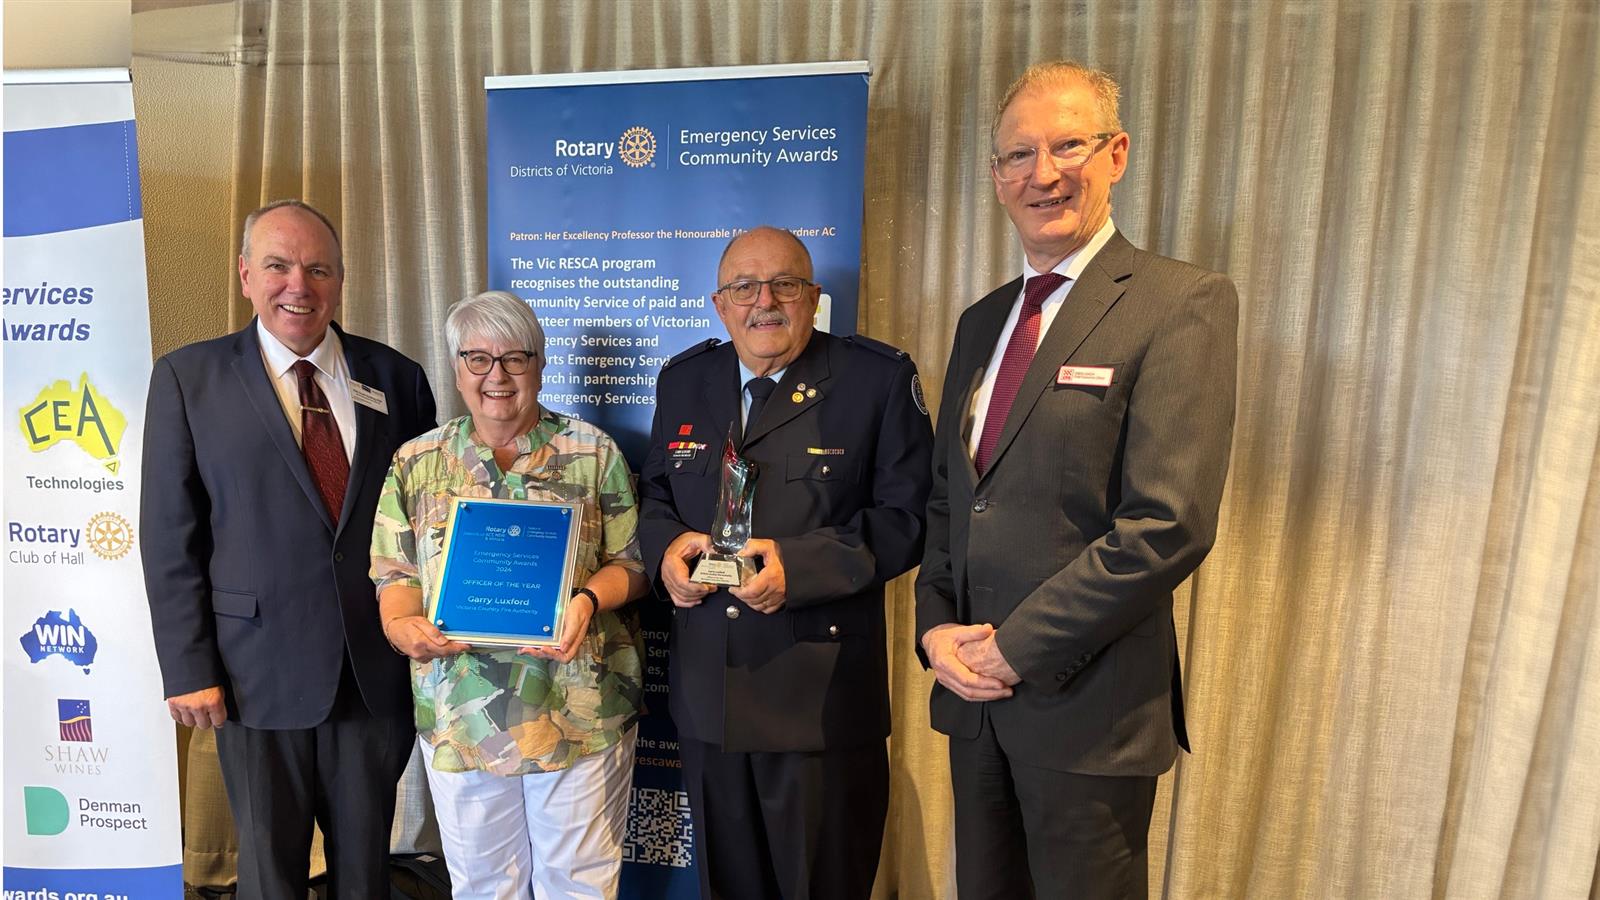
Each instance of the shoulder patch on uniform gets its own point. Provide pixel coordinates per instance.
(916, 393)
(860, 340)
(693, 351)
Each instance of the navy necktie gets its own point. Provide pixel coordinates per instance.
(760, 389)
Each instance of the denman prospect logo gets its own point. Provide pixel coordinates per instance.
(46, 810)
(62, 413)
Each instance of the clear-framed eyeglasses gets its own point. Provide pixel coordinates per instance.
(785, 289)
(1068, 154)
(512, 362)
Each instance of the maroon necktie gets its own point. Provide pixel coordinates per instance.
(320, 441)
(1014, 364)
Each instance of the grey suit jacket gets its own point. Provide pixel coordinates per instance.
(1098, 503)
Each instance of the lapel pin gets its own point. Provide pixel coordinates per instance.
(797, 397)
(811, 392)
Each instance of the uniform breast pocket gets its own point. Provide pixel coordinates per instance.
(831, 468)
(689, 465)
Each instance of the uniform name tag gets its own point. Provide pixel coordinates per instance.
(1086, 376)
(371, 398)
(683, 449)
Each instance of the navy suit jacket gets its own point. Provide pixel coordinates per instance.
(843, 445)
(251, 583)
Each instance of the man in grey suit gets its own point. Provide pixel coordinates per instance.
(1079, 461)
(264, 454)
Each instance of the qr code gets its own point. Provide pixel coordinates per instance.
(659, 830)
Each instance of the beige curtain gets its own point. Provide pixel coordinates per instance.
(1392, 659)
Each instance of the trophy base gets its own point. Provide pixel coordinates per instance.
(725, 569)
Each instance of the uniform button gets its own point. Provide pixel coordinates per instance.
(826, 470)
(678, 464)
(833, 631)
(1061, 676)
(733, 611)
(981, 505)
(338, 557)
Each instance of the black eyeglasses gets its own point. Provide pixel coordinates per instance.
(785, 289)
(513, 362)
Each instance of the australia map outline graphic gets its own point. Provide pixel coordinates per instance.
(80, 415)
(64, 636)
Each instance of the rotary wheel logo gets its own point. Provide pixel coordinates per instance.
(514, 530)
(637, 147)
(109, 535)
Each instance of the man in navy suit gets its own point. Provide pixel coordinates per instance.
(1079, 461)
(264, 454)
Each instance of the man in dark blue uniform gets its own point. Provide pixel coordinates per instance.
(780, 687)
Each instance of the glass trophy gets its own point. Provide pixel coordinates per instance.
(730, 529)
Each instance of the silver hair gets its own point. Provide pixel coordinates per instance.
(256, 214)
(1054, 74)
(498, 316)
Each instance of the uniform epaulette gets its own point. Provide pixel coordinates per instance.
(693, 351)
(861, 340)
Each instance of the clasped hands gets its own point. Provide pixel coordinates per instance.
(967, 660)
(767, 592)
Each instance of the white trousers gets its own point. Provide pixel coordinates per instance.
(545, 835)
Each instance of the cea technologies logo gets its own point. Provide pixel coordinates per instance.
(65, 636)
(66, 414)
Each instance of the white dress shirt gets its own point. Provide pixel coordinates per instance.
(1071, 267)
(333, 376)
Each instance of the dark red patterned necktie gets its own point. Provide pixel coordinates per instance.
(1014, 364)
(320, 441)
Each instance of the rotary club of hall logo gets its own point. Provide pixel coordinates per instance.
(109, 535)
(637, 147)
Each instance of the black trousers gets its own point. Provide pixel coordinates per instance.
(1024, 831)
(341, 773)
(786, 826)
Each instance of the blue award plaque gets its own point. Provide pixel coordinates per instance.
(507, 571)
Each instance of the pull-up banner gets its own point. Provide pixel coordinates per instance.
(611, 197)
(91, 785)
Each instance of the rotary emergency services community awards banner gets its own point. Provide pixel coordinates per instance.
(91, 792)
(611, 197)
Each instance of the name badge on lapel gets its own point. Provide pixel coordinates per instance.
(371, 398)
(1085, 376)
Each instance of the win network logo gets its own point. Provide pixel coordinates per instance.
(65, 636)
(74, 719)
